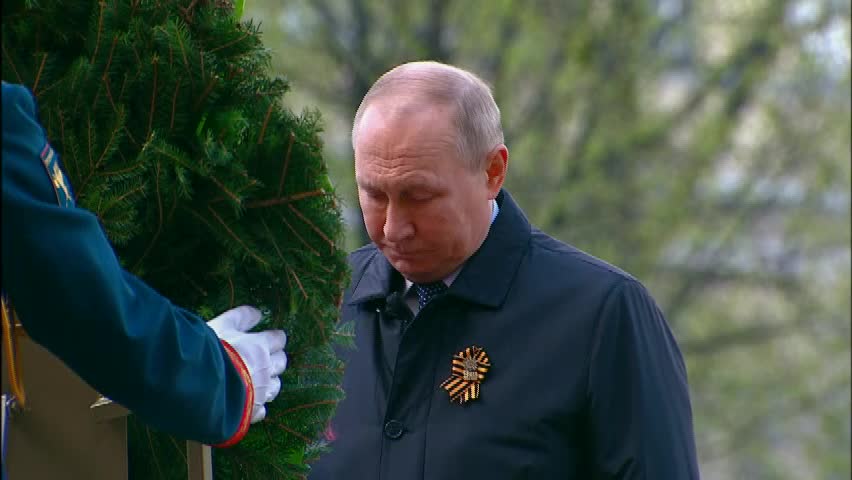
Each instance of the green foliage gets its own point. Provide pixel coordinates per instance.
(173, 131)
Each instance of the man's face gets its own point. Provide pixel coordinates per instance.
(424, 208)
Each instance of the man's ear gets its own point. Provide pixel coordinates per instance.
(496, 166)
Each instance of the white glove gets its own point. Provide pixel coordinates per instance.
(262, 352)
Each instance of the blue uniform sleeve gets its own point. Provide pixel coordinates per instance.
(640, 418)
(71, 295)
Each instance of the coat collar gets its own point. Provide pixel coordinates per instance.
(486, 276)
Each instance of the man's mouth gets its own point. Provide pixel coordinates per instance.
(402, 253)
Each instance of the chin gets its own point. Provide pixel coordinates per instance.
(410, 270)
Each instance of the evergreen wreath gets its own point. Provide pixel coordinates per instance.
(172, 130)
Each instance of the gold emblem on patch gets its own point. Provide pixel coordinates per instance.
(468, 370)
(57, 177)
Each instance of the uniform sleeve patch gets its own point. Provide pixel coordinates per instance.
(57, 177)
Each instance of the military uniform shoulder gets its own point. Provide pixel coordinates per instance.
(12, 88)
(18, 102)
(32, 163)
(563, 256)
(16, 94)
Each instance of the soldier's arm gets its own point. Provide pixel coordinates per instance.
(640, 418)
(72, 296)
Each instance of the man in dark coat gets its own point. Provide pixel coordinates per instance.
(484, 348)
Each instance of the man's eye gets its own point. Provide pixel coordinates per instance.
(375, 195)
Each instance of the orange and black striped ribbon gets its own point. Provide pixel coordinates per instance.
(468, 371)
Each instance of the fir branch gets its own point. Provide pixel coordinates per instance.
(322, 329)
(181, 451)
(151, 445)
(307, 405)
(11, 62)
(97, 96)
(174, 104)
(212, 83)
(296, 233)
(38, 75)
(122, 171)
(101, 6)
(201, 56)
(123, 86)
(222, 187)
(155, 61)
(188, 12)
(296, 278)
(312, 225)
(291, 431)
(272, 239)
(269, 438)
(105, 81)
(286, 163)
(156, 235)
(89, 136)
(193, 284)
(231, 43)
(111, 52)
(118, 126)
(231, 287)
(183, 54)
(50, 87)
(130, 136)
(316, 367)
(236, 237)
(282, 200)
(136, 54)
(265, 123)
(119, 199)
(172, 210)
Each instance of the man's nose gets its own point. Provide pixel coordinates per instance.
(398, 224)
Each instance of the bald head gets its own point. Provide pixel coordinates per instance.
(414, 86)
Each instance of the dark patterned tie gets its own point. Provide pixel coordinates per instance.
(427, 291)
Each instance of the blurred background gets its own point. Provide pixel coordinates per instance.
(701, 145)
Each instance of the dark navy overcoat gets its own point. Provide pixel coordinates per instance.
(584, 378)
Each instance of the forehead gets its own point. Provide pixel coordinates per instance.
(405, 144)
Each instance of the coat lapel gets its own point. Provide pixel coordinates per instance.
(488, 274)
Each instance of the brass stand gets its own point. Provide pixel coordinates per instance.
(68, 430)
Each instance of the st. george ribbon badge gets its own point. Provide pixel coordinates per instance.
(468, 371)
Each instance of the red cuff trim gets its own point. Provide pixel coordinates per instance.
(245, 421)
